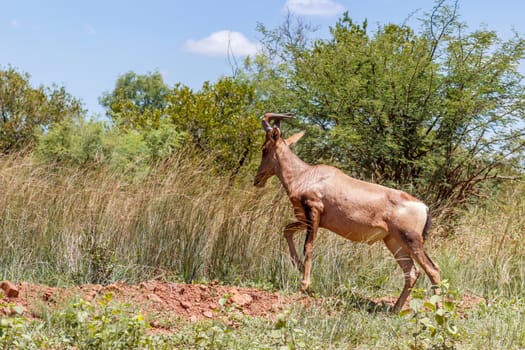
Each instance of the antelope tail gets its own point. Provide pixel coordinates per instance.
(428, 223)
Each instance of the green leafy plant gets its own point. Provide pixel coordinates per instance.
(16, 332)
(433, 319)
(103, 326)
(286, 333)
(213, 336)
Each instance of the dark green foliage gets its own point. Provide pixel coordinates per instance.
(219, 120)
(437, 112)
(25, 111)
(134, 96)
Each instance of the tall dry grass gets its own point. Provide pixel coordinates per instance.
(487, 255)
(182, 221)
(95, 225)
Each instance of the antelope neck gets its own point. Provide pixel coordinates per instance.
(289, 167)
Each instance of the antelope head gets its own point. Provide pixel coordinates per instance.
(273, 141)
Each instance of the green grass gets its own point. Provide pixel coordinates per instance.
(64, 226)
(333, 324)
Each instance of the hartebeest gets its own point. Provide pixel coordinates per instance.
(323, 196)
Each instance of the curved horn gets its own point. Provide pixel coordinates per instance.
(274, 116)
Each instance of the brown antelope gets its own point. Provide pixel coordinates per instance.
(323, 196)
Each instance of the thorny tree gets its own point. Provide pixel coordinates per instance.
(439, 112)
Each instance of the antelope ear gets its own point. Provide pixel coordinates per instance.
(294, 138)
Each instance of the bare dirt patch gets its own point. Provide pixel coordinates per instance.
(192, 302)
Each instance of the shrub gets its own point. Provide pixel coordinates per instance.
(73, 143)
(82, 143)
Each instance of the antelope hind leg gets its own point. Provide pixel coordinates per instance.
(410, 271)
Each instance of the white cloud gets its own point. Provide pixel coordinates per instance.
(314, 7)
(222, 43)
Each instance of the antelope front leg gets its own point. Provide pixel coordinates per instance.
(289, 232)
(312, 225)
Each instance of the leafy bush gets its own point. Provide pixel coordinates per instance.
(129, 152)
(81, 143)
(433, 319)
(81, 325)
(16, 332)
(107, 325)
(74, 143)
(163, 141)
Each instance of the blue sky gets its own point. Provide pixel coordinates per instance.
(86, 45)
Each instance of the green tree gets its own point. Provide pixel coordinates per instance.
(221, 119)
(438, 112)
(271, 74)
(138, 108)
(137, 100)
(25, 111)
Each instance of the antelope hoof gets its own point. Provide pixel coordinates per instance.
(395, 309)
